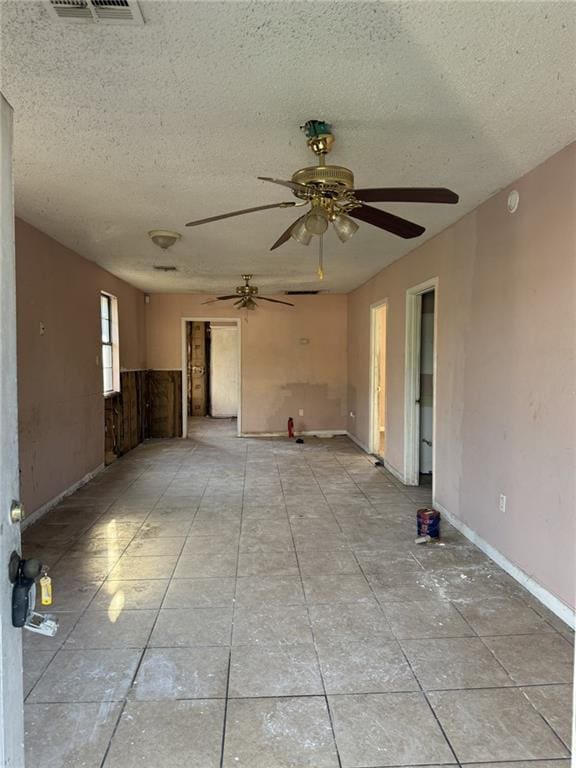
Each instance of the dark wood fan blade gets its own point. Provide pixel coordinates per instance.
(387, 221)
(240, 213)
(293, 185)
(242, 300)
(407, 195)
(285, 236)
(275, 301)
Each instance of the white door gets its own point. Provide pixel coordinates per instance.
(223, 370)
(11, 698)
(426, 396)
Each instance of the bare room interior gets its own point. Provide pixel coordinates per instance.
(287, 370)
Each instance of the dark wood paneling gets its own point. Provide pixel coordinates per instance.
(165, 399)
(149, 404)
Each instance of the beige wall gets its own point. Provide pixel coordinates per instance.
(506, 369)
(61, 418)
(279, 374)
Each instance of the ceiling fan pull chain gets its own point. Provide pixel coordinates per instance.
(320, 270)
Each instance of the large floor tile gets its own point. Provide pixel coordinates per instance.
(494, 725)
(206, 564)
(182, 673)
(87, 676)
(333, 588)
(269, 590)
(200, 593)
(336, 561)
(192, 626)
(503, 617)
(351, 622)
(168, 734)
(115, 596)
(274, 670)
(534, 659)
(286, 624)
(279, 733)
(428, 619)
(101, 629)
(375, 730)
(34, 663)
(268, 564)
(369, 667)
(459, 662)
(554, 702)
(129, 567)
(68, 735)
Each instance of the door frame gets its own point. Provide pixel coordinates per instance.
(372, 409)
(184, 338)
(11, 694)
(412, 382)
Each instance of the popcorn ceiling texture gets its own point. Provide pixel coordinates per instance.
(121, 130)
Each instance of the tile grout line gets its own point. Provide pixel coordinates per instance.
(315, 645)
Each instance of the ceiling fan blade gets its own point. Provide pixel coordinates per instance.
(240, 213)
(387, 221)
(276, 301)
(407, 195)
(293, 185)
(221, 298)
(242, 300)
(285, 236)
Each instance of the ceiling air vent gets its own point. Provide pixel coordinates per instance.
(101, 11)
(301, 293)
(165, 268)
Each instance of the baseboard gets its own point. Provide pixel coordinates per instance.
(393, 471)
(35, 516)
(304, 433)
(547, 599)
(358, 443)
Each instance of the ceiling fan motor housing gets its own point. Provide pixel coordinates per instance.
(330, 180)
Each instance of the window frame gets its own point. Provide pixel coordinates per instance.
(111, 343)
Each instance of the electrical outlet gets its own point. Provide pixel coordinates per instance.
(301, 412)
(502, 503)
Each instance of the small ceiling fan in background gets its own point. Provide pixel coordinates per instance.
(329, 192)
(245, 296)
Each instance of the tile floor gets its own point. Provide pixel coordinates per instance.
(254, 603)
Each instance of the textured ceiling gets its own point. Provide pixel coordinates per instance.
(122, 130)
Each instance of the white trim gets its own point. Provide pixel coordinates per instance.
(33, 517)
(183, 321)
(305, 433)
(411, 382)
(372, 411)
(549, 600)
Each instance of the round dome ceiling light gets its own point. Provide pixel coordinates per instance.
(513, 201)
(164, 238)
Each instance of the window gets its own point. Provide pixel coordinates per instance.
(110, 353)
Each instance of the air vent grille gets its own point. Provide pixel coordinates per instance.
(101, 11)
(165, 268)
(301, 293)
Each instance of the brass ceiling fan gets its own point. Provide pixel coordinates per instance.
(329, 192)
(245, 295)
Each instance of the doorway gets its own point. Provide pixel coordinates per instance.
(420, 384)
(211, 374)
(378, 380)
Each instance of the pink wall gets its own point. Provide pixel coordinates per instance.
(506, 410)
(279, 374)
(61, 418)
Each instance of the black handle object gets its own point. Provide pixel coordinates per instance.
(28, 570)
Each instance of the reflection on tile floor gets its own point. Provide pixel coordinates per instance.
(260, 604)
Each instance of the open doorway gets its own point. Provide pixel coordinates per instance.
(420, 384)
(211, 376)
(378, 380)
